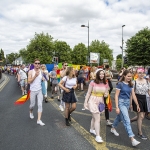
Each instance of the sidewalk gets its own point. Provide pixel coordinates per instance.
(2, 79)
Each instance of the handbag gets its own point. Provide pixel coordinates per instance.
(43, 88)
(101, 107)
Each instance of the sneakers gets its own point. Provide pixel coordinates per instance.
(92, 131)
(135, 142)
(114, 132)
(31, 116)
(142, 137)
(40, 123)
(109, 123)
(25, 92)
(61, 107)
(99, 139)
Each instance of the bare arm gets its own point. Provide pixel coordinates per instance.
(62, 73)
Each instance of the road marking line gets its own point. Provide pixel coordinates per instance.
(5, 83)
(84, 132)
(81, 113)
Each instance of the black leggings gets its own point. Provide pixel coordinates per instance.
(110, 86)
(106, 110)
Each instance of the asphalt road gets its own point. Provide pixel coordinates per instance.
(19, 132)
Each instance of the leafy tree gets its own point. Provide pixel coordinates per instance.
(42, 47)
(119, 56)
(138, 48)
(104, 50)
(118, 64)
(12, 56)
(79, 54)
(63, 51)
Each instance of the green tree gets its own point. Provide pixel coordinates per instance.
(118, 64)
(79, 54)
(119, 56)
(42, 47)
(138, 48)
(63, 51)
(104, 50)
(12, 56)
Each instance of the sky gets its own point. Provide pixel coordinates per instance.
(62, 19)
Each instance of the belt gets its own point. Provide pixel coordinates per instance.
(97, 94)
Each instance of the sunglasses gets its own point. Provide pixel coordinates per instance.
(66, 65)
(37, 63)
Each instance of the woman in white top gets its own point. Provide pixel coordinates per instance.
(69, 84)
(46, 78)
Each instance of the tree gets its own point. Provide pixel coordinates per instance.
(104, 50)
(138, 48)
(42, 47)
(119, 56)
(118, 64)
(23, 53)
(11, 57)
(63, 51)
(79, 54)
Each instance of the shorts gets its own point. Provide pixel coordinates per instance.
(23, 82)
(80, 80)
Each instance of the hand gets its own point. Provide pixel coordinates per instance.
(67, 90)
(105, 94)
(117, 111)
(138, 108)
(37, 73)
(131, 107)
(43, 79)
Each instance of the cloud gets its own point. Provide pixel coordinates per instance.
(20, 19)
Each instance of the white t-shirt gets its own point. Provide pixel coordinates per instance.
(22, 74)
(69, 83)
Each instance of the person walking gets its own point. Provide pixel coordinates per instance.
(69, 84)
(124, 89)
(81, 77)
(35, 79)
(46, 77)
(54, 80)
(141, 87)
(22, 79)
(97, 90)
(62, 74)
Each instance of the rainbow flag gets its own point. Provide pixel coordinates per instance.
(23, 99)
(109, 103)
(58, 75)
(135, 76)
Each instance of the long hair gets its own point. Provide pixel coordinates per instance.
(69, 69)
(148, 72)
(98, 79)
(123, 77)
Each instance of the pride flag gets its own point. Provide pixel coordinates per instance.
(58, 75)
(109, 103)
(23, 99)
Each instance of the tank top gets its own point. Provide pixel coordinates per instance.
(36, 84)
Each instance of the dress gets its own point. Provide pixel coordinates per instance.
(95, 95)
(140, 91)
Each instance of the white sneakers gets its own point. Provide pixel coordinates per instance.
(135, 142)
(99, 139)
(92, 131)
(109, 123)
(31, 116)
(114, 132)
(40, 123)
(61, 107)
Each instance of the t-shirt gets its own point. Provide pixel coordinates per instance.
(69, 83)
(81, 73)
(54, 80)
(109, 74)
(125, 90)
(22, 74)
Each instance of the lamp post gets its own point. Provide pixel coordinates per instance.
(122, 45)
(88, 58)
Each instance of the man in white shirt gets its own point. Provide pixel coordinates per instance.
(22, 79)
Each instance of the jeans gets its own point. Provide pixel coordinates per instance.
(124, 116)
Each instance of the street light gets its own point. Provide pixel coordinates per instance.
(88, 58)
(122, 46)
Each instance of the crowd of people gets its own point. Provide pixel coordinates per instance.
(132, 92)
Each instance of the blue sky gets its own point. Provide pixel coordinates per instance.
(20, 19)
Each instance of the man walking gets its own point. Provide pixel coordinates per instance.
(34, 79)
(22, 79)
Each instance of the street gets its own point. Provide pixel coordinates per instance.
(19, 132)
